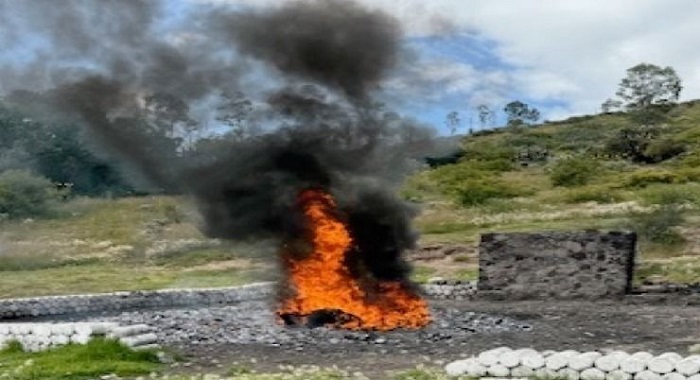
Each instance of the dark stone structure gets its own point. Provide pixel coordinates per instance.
(561, 265)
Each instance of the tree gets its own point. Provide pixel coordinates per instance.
(649, 85)
(453, 121)
(235, 112)
(486, 115)
(519, 113)
(611, 105)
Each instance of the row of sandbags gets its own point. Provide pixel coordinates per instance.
(574, 365)
(41, 336)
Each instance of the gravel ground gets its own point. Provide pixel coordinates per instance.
(212, 338)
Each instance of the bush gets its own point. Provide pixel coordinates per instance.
(688, 175)
(24, 195)
(573, 171)
(671, 194)
(644, 178)
(662, 150)
(658, 225)
(597, 194)
(478, 192)
(448, 179)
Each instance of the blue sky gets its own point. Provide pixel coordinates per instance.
(562, 57)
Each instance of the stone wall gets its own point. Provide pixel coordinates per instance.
(107, 303)
(564, 265)
(122, 301)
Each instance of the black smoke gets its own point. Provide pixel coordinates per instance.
(112, 66)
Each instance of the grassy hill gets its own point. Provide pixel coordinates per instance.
(604, 171)
(572, 174)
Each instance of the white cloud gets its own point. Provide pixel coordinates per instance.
(574, 51)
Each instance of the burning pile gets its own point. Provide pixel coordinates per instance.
(324, 289)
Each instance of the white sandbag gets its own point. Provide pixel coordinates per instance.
(488, 358)
(643, 356)
(581, 361)
(660, 365)
(544, 373)
(569, 374)
(609, 362)
(60, 340)
(647, 375)
(79, 338)
(131, 330)
(618, 353)
(510, 359)
(694, 377)
(632, 365)
(671, 356)
(592, 374)
(556, 362)
(522, 371)
(152, 346)
(139, 340)
(673, 376)
(533, 361)
(82, 329)
(456, 368)
(61, 329)
(618, 374)
(687, 367)
(498, 370)
(42, 330)
(469, 366)
(528, 351)
(103, 328)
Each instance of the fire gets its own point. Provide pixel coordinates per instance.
(322, 282)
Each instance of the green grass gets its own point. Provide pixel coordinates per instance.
(102, 245)
(106, 277)
(421, 273)
(98, 357)
(681, 270)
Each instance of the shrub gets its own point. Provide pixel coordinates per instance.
(658, 225)
(478, 192)
(598, 194)
(662, 150)
(644, 178)
(573, 171)
(449, 178)
(688, 175)
(671, 194)
(23, 194)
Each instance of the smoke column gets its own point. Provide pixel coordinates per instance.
(311, 68)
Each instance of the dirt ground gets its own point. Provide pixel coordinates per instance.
(658, 325)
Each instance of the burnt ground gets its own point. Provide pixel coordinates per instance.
(656, 325)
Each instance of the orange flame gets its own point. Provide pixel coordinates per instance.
(322, 281)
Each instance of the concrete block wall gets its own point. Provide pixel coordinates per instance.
(556, 265)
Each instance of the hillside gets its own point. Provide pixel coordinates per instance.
(602, 171)
(554, 176)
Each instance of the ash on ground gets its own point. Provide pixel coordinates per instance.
(254, 322)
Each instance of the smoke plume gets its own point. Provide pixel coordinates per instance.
(295, 83)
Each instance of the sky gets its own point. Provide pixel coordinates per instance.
(564, 57)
